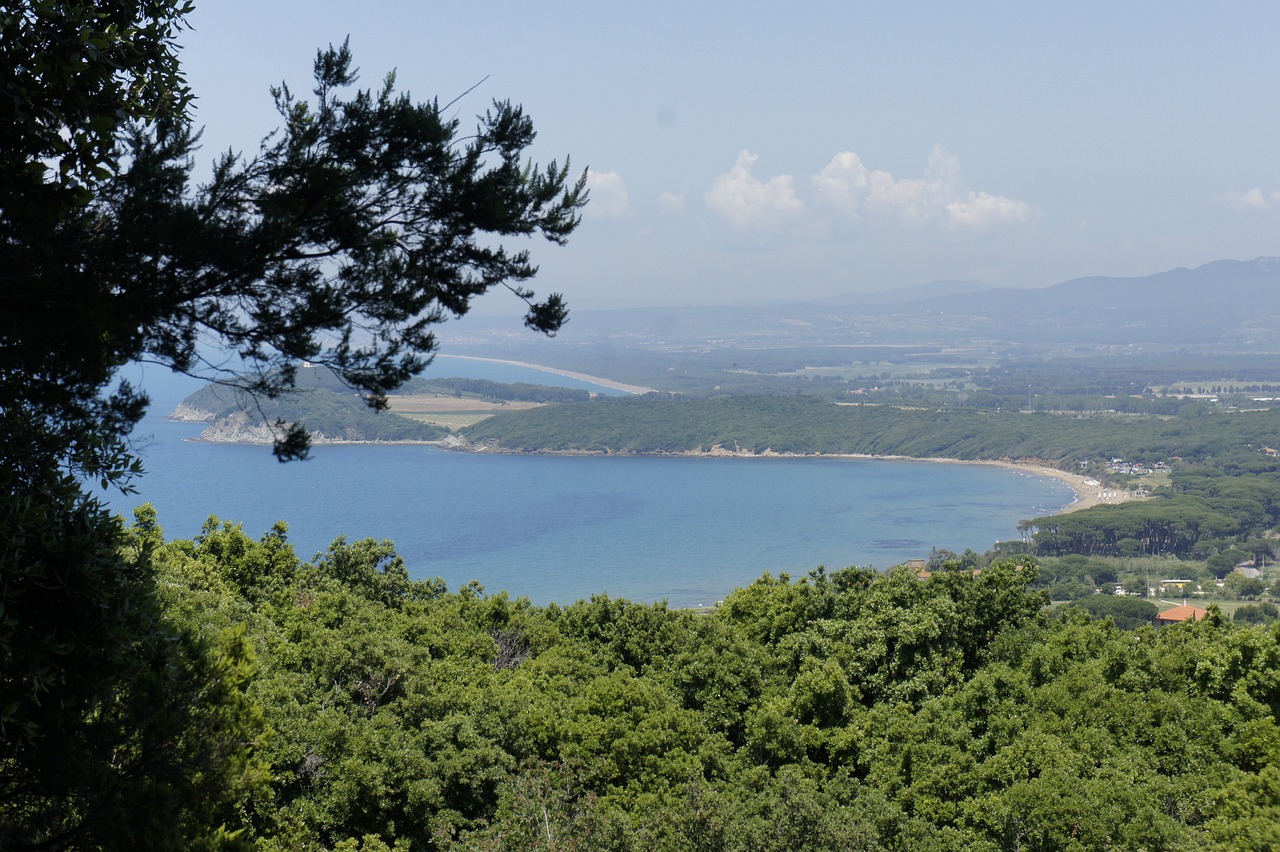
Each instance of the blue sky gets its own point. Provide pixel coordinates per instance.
(740, 153)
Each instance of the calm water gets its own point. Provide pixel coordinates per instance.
(553, 528)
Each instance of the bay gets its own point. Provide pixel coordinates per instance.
(560, 528)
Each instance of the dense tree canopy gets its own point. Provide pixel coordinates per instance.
(72, 75)
(841, 710)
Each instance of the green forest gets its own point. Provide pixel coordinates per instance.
(840, 710)
(805, 425)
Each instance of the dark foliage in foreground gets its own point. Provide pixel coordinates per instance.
(366, 220)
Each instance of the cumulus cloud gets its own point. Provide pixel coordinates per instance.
(847, 186)
(982, 210)
(842, 183)
(671, 201)
(608, 196)
(1252, 200)
(746, 202)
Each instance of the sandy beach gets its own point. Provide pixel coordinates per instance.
(1089, 492)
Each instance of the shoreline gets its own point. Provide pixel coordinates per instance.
(1087, 492)
(320, 442)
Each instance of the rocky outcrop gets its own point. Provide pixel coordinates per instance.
(457, 442)
(237, 428)
(240, 428)
(190, 414)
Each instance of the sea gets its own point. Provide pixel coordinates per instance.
(561, 528)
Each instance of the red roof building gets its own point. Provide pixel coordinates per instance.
(1181, 613)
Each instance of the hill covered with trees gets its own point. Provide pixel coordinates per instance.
(841, 710)
(327, 414)
(804, 425)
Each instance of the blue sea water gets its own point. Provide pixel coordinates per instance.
(560, 528)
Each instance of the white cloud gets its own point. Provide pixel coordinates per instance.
(842, 183)
(671, 201)
(1254, 200)
(608, 196)
(746, 202)
(981, 210)
(847, 186)
(917, 199)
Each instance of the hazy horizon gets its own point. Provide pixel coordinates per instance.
(741, 154)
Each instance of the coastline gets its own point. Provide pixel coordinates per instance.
(1088, 492)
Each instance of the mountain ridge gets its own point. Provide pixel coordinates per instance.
(1221, 303)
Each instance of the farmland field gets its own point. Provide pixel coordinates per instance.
(450, 411)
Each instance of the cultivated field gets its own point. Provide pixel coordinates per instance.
(451, 411)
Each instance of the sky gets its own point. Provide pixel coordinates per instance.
(739, 153)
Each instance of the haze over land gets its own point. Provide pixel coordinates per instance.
(1226, 304)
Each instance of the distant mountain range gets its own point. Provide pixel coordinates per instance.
(1227, 303)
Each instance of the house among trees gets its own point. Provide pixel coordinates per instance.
(1179, 614)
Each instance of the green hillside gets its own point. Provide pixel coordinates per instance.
(805, 425)
(843, 710)
(331, 414)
